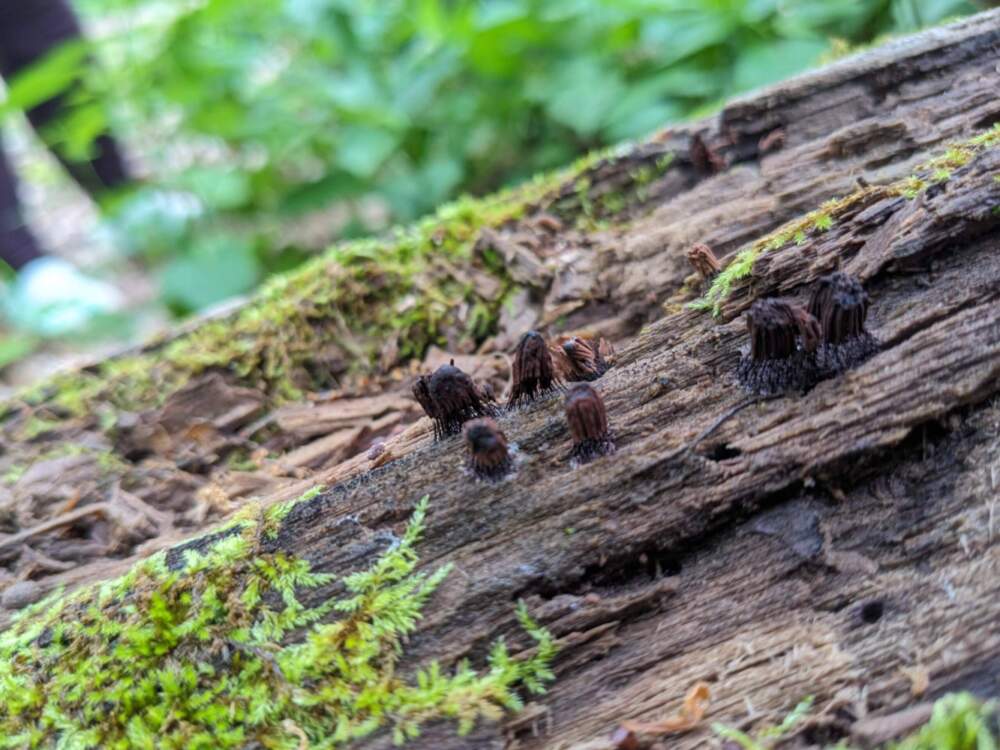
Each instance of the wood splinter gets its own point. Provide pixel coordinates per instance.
(488, 455)
(704, 262)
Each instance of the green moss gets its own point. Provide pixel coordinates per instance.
(355, 296)
(821, 223)
(613, 203)
(277, 513)
(13, 473)
(741, 266)
(959, 722)
(202, 657)
(36, 426)
(598, 200)
(822, 219)
(767, 737)
(912, 186)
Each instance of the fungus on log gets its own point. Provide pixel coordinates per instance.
(851, 517)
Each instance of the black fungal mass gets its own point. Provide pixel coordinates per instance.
(488, 455)
(781, 356)
(840, 304)
(533, 374)
(451, 399)
(588, 423)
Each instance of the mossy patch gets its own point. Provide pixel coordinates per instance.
(350, 301)
(823, 219)
(797, 231)
(598, 197)
(222, 653)
(768, 736)
(959, 721)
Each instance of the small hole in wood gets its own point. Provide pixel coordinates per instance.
(722, 451)
(871, 612)
(670, 565)
(986, 122)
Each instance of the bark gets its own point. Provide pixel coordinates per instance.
(814, 544)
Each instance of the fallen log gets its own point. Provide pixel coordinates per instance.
(823, 544)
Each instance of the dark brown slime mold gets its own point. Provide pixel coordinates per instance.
(588, 423)
(584, 360)
(533, 373)
(489, 459)
(704, 262)
(422, 393)
(783, 337)
(450, 398)
(840, 304)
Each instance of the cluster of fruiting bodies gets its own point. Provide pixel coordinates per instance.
(457, 404)
(792, 347)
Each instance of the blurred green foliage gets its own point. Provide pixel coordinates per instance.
(263, 119)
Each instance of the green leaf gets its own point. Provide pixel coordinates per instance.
(673, 36)
(580, 94)
(219, 267)
(765, 63)
(218, 188)
(50, 76)
(362, 150)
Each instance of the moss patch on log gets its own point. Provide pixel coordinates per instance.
(959, 721)
(217, 652)
(935, 171)
(345, 305)
(354, 296)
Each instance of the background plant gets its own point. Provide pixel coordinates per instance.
(271, 128)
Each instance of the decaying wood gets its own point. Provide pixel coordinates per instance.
(813, 544)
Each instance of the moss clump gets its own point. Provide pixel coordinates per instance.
(354, 297)
(767, 737)
(741, 266)
(821, 220)
(199, 657)
(277, 513)
(959, 721)
(595, 199)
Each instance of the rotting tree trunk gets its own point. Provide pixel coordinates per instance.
(810, 545)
